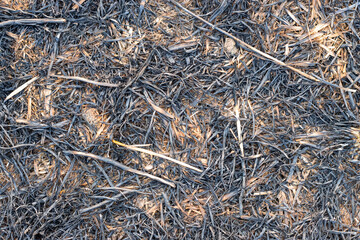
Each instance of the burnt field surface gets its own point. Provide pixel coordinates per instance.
(179, 119)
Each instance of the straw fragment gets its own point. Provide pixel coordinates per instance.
(22, 87)
(157, 155)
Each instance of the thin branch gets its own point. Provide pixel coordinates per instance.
(119, 165)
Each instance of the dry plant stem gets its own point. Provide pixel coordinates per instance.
(87, 81)
(22, 87)
(157, 155)
(119, 165)
(256, 51)
(32, 21)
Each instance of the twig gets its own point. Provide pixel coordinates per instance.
(157, 155)
(256, 51)
(32, 21)
(114, 198)
(103, 84)
(119, 165)
(77, 4)
(179, 46)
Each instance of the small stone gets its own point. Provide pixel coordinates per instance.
(91, 116)
(230, 46)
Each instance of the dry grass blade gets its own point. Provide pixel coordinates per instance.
(157, 155)
(239, 129)
(156, 108)
(22, 87)
(119, 165)
(103, 84)
(32, 21)
(258, 52)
